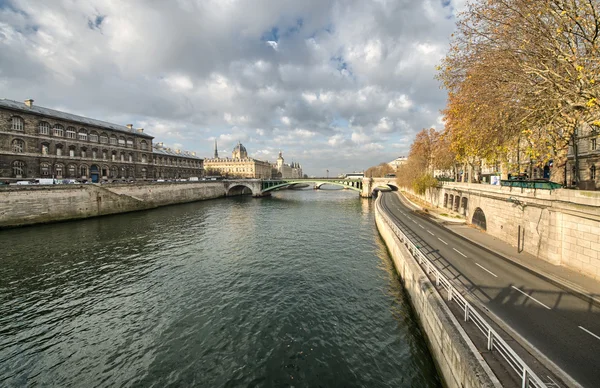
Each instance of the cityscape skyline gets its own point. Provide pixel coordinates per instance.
(273, 75)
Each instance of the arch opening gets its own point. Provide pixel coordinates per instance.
(238, 190)
(479, 219)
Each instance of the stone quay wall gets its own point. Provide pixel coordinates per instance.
(559, 226)
(27, 205)
(457, 359)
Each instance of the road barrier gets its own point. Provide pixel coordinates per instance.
(494, 341)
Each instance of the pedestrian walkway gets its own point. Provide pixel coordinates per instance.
(563, 277)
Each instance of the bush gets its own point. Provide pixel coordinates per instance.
(424, 182)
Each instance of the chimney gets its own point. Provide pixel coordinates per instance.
(140, 130)
(130, 126)
(29, 103)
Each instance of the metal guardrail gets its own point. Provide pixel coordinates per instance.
(494, 341)
(546, 185)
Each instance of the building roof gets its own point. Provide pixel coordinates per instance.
(239, 146)
(157, 150)
(20, 106)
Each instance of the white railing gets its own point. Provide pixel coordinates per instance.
(494, 341)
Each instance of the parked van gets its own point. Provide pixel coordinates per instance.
(193, 179)
(23, 183)
(46, 181)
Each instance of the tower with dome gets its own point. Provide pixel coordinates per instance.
(240, 165)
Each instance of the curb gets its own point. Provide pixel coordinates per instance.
(557, 281)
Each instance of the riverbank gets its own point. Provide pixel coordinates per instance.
(457, 359)
(29, 205)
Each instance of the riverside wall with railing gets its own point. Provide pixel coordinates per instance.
(456, 357)
(458, 360)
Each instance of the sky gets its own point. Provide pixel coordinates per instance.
(338, 85)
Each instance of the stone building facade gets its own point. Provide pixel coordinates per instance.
(38, 142)
(240, 165)
(284, 170)
(585, 157)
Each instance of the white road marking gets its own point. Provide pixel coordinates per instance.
(430, 233)
(459, 252)
(414, 221)
(485, 269)
(529, 296)
(589, 332)
(422, 227)
(442, 241)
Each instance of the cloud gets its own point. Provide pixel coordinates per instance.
(337, 84)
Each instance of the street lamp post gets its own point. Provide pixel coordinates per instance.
(327, 174)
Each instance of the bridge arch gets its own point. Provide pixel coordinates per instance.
(238, 189)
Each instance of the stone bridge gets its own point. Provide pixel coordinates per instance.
(260, 188)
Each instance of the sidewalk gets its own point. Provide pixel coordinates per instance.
(564, 277)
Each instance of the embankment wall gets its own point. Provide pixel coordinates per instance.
(457, 359)
(29, 205)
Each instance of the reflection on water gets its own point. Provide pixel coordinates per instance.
(296, 289)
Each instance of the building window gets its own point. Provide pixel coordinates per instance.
(71, 133)
(44, 169)
(58, 170)
(593, 173)
(104, 154)
(17, 123)
(94, 137)
(58, 130)
(122, 141)
(44, 128)
(593, 144)
(143, 145)
(129, 143)
(130, 157)
(103, 139)
(144, 173)
(72, 152)
(71, 170)
(144, 159)
(58, 151)
(122, 157)
(18, 145)
(18, 168)
(83, 153)
(94, 153)
(113, 156)
(82, 135)
(45, 149)
(113, 140)
(83, 171)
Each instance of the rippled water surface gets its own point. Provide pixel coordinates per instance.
(292, 290)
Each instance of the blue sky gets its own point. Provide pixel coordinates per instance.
(337, 85)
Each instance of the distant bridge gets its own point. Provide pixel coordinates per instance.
(260, 188)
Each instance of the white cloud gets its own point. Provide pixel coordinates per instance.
(341, 83)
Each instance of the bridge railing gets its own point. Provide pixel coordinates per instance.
(470, 314)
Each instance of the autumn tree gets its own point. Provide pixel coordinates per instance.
(522, 70)
(379, 171)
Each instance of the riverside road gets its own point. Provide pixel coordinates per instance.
(562, 326)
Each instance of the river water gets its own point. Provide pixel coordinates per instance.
(292, 290)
